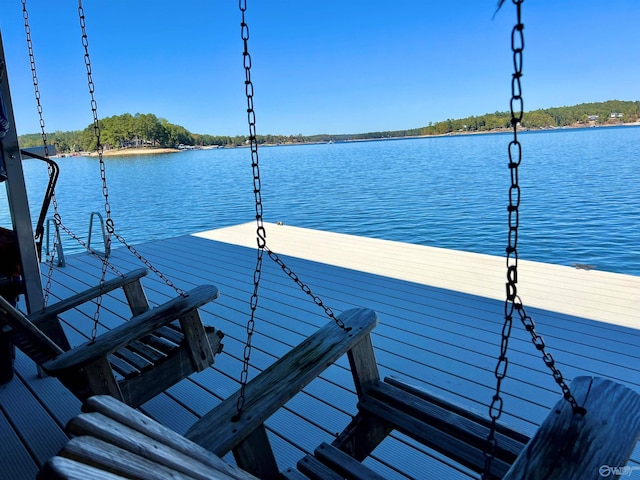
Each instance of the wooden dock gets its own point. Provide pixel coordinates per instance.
(440, 318)
(603, 296)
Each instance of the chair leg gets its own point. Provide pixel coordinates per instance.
(254, 455)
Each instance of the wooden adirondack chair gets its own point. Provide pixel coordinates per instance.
(133, 362)
(113, 438)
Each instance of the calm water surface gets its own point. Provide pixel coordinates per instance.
(580, 193)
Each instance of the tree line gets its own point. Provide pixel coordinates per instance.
(126, 131)
(601, 113)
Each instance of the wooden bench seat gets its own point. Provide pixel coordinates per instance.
(446, 427)
(568, 444)
(456, 432)
(114, 442)
(134, 361)
(328, 462)
(219, 432)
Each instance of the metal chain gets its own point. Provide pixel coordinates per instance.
(261, 235)
(57, 218)
(105, 190)
(513, 302)
(260, 231)
(306, 289)
(103, 174)
(36, 89)
(500, 372)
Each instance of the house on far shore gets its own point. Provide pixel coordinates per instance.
(616, 115)
(593, 118)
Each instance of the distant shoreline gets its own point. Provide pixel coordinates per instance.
(132, 151)
(122, 152)
(455, 134)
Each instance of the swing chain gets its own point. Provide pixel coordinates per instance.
(515, 158)
(513, 303)
(105, 191)
(306, 289)
(103, 174)
(57, 218)
(255, 164)
(261, 234)
(260, 230)
(34, 76)
(36, 90)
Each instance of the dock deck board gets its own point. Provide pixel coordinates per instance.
(440, 317)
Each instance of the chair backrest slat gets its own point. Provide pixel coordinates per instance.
(20, 323)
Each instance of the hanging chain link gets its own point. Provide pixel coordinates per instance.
(513, 303)
(260, 230)
(105, 190)
(36, 89)
(306, 289)
(57, 218)
(261, 234)
(103, 174)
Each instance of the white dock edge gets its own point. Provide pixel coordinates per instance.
(603, 296)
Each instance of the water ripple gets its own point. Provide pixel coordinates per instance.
(580, 193)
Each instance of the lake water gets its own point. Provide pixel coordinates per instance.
(580, 193)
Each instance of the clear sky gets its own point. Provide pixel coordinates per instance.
(335, 66)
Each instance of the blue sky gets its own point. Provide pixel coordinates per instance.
(319, 67)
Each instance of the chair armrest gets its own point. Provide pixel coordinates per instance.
(276, 385)
(86, 295)
(137, 327)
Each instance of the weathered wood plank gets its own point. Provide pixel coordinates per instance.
(26, 344)
(133, 358)
(177, 365)
(146, 351)
(127, 416)
(291, 474)
(451, 420)
(254, 455)
(111, 459)
(136, 297)
(441, 441)
(100, 379)
(87, 295)
(159, 343)
(60, 468)
(121, 367)
(569, 445)
(168, 332)
(364, 433)
(315, 470)
(457, 409)
(103, 428)
(19, 322)
(364, 366)
(344, 464)
(219, 433)
(195, 338)
(141, 325)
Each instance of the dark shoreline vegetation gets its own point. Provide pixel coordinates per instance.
(147, 130)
